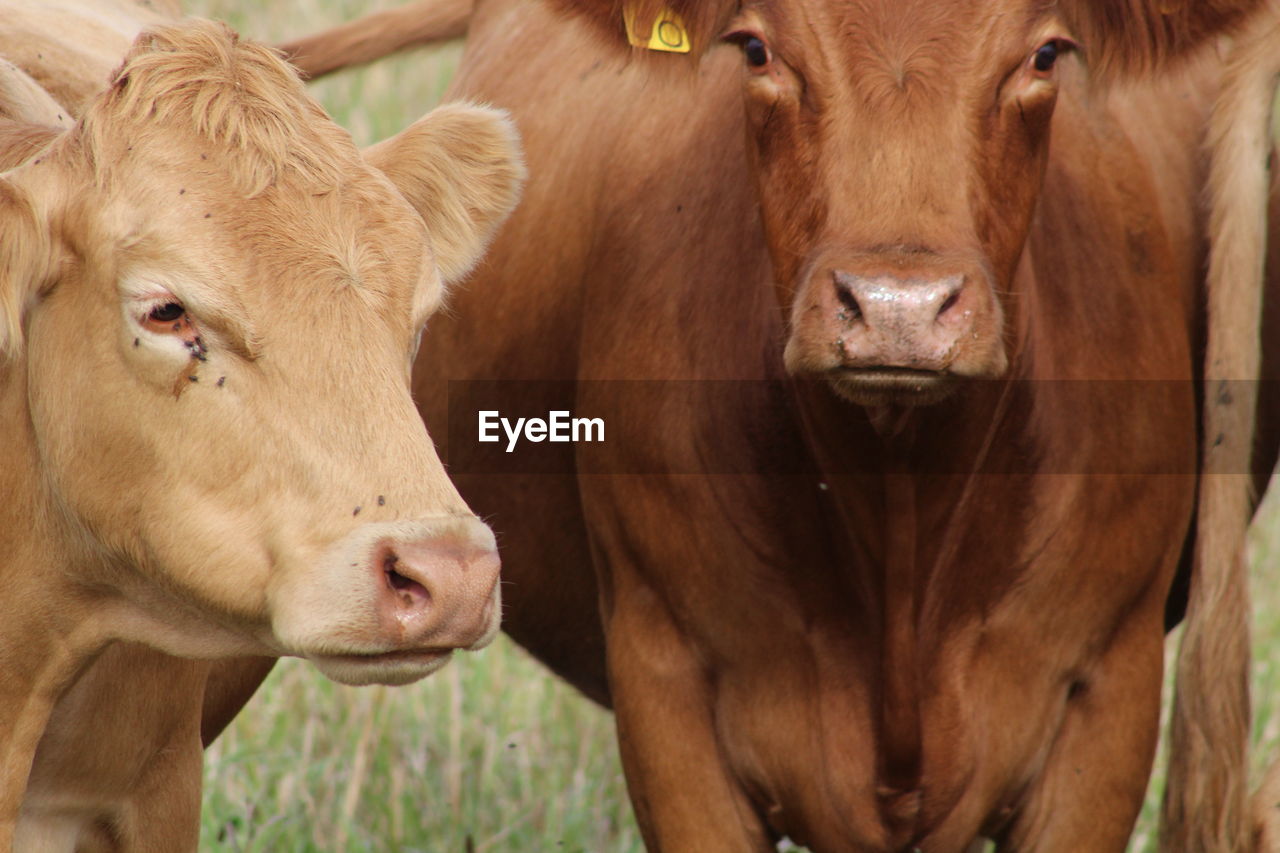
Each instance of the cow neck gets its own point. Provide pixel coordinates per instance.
(43, 643)
(902, 485)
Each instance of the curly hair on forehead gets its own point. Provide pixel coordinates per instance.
(200, 78)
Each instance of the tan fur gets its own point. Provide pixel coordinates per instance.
(377, 35)
(225, 521)
(482, 144)
(257, 110)
(19, 142)
(1205, 802)
(22, 99)
(70, 48)
(24, 264)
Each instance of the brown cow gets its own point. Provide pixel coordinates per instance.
(209, 302)
(955, 630)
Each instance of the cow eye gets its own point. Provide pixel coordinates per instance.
(166, 318)
(166, 313)
(753, 48)
(1045, 57)
(756, 51)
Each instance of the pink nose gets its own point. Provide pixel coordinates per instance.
(912, 323)
(436, 592)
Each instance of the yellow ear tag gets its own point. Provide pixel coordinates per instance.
(667, 34)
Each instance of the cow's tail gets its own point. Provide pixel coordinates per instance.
(1206, 805)
(377, 35)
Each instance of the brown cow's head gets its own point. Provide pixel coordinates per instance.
(899, 147)
(212, 300)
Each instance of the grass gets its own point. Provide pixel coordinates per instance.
(492, 754)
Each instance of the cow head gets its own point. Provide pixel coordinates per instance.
(899, 148)
(212, 299)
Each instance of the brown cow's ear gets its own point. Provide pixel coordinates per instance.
(462, 168)
(25, 262)
(1136, 36)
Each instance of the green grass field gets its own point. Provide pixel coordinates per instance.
(492, 754)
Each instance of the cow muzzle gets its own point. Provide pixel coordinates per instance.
(896, 336)
(392, 601)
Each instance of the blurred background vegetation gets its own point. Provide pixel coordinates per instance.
(492, 753)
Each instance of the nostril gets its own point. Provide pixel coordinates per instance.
(950, 303)
(851, 310)
(410, 591)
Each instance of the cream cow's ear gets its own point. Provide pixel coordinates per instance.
(461, 166)
(25, 261)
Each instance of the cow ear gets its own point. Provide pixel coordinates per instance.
(25, 262)
(1137, 36)
(462, 168)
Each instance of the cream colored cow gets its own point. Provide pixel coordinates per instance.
(209, 302)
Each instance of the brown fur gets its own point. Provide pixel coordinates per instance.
(1120, 37)
(725, 596)
(377, 35)
(660, 600)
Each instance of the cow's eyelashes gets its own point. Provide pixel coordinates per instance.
(753, 47)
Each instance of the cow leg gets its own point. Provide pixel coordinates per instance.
(684, 797)
(1089, 793)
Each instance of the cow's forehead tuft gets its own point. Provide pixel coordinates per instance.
(200, 79)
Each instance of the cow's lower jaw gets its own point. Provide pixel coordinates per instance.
(391, 668)
(892, 386)
(405, 666)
